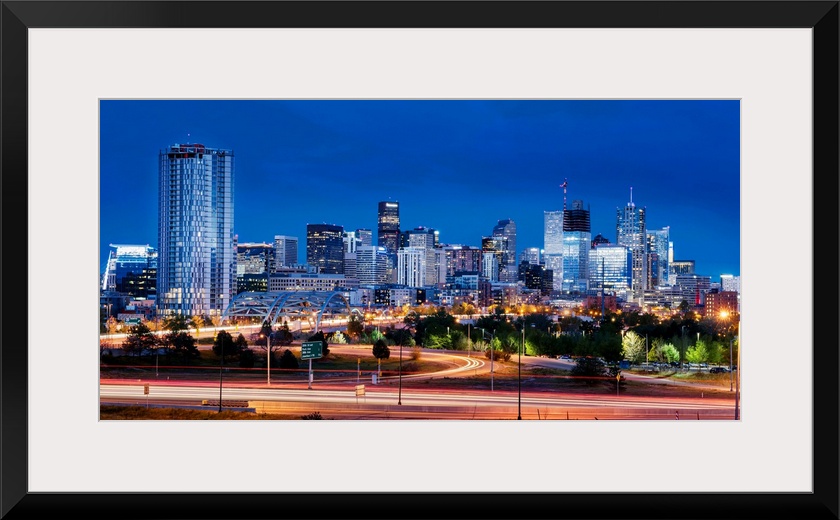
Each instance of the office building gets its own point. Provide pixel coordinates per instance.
(254, 262)
(632, 234)
(364, 237)
(609, 270)
(131, 270)
(658, 243)
(285, 251)
(325, 248)
(553, 246)
(411, 266)
(577, 241)
(196, 263)
(507, 229)
(389, 227)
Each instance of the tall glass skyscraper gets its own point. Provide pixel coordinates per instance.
(507, 270)
(610, 270)
(196, 263)
(577, 240)
(658, 241)
(325, 248)
(631, 233)
(389, 227)
(553, 246)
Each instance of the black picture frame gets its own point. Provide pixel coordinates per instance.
(19, 16)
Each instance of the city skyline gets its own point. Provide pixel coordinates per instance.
(456, 166)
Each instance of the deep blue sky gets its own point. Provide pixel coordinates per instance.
(457, 166)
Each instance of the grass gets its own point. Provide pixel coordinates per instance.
(120, 413)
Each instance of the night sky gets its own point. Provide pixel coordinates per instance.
(456, 166)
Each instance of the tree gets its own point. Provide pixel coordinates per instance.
(683, 307)
(670, 353)
(288, 360)
(283, 336)
(224, 345)
(697, 354)
(246, 358)
(139, 339)
(381, 350)
(175, 323)
(319, 336)
(241, 344)
(183, 345)
(355, 327)
(589, 367)
(339, 338)
(633, 347)
(111, 325)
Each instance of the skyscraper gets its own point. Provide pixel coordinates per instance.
(493, 251)
(507, 271)
(196, 264)
(657, 244)
(577, 242)
(553, 246)
(411, 266)
(364, 236)
(286, 251)
(389, 227)
(631, 233)
(424, 238)
(325, 248)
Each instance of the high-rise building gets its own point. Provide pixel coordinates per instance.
(657, 244)
(493, 253)
(631, 233)
(131, 270)
(364, 237)
(389, 227)
(609, 270)
(730, 283)
(325, 248)
(196, 263)
(508, 271)
(680, 267)
(553, 246)
(285, 251)
(254, 262)
(423, 238)
(350, 242)
(530, 255)
(411, 266)
(577, 241)
(461, 259)
(373, 265)
(599, 239)
(693, 287)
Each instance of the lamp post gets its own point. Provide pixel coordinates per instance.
(267, 357)
(730, 363)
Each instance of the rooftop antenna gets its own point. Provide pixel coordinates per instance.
(631, 195)
(188, 138)
(564, 185)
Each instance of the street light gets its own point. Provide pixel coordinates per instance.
(267, 356)
(399, 395)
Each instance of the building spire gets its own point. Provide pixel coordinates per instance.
(564, 186)
(631, 196)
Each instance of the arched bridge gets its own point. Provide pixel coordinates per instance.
(271, 306)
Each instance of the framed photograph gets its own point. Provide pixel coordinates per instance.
(82, 77)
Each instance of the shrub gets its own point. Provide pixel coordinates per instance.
(312, 416)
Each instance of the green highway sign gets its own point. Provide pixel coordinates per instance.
(311, 349)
